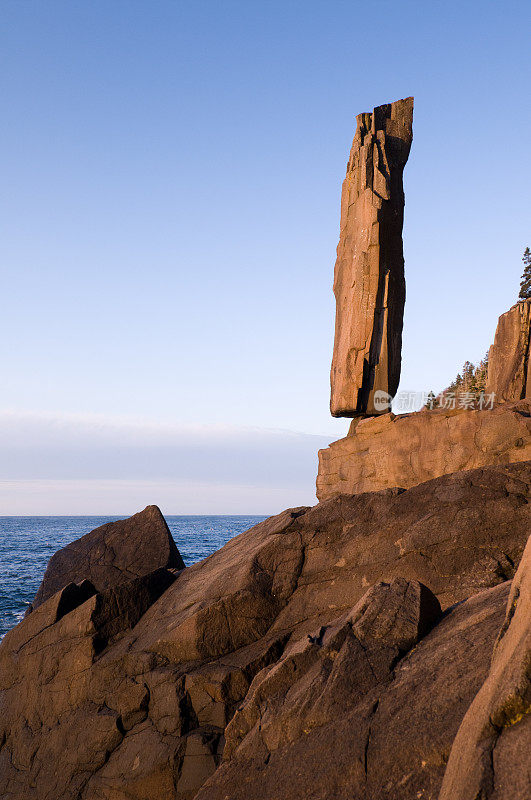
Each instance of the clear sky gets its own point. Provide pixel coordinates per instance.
(171, 178)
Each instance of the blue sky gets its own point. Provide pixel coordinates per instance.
(170, 211)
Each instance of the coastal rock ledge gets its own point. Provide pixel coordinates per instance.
(333, 652)
(407, 449)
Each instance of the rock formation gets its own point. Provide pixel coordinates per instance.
(408, 449)
(356, 715)
(340, 651)
(509, 375)
(112, 554)
(369, 283)
(491, 750)
(305, 654)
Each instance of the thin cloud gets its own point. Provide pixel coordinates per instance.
(52, 464)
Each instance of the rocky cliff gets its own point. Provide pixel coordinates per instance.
(509, 375)
(491, 750)
(369, 283)
(329, 652)
(403, 450)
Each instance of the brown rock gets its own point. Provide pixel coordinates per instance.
(347, 714)
(231, 599)
(509, 374)
(346, 659)
(113, 554)
(408, 449)
(457, 534)
(490, 754)
(120, 608)
(369, 283)
(87, 672)
(112, 700)
(60, 702)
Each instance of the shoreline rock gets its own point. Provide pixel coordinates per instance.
(491, 749)
(112, 554)
(408, 449)
(330, 616)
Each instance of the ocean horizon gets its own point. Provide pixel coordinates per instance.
(28, 542)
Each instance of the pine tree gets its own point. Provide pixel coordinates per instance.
(480, 376)
(455, 384)
(525, 284)
(472, 379)
(431, 401)
(468, 375)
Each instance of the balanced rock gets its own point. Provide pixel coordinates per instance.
(509, 373)
(369, 283)
(408, 449)
(112, 554)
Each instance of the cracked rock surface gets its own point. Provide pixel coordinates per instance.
(509, 375)
(408, 449)
(360, 714)
(490, 754)
(369, 283)
(306, 658)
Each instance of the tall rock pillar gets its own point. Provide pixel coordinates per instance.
(369, 283)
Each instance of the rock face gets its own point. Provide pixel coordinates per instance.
(156, 687)
(112, 554)
(352, 713)
(369, 283)
(509, 374)
(293, 705)
(491, 749)
(408, 449)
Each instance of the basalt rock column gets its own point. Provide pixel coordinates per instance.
(369, 282)
(509, 376)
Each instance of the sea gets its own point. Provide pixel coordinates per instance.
(27, 543)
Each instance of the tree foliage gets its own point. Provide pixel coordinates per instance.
(472, 380)
(525, 283)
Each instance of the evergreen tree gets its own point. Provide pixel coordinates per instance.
(480, 376)
(431, 401)
(468, 375)
(455, 384)
(472, 379)
(525, 284)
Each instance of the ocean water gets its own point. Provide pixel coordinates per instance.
(27, 543)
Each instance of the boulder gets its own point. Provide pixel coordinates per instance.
(369, 283)
(112, 554)
(408, 449)
(509, 372)
(490, 754)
